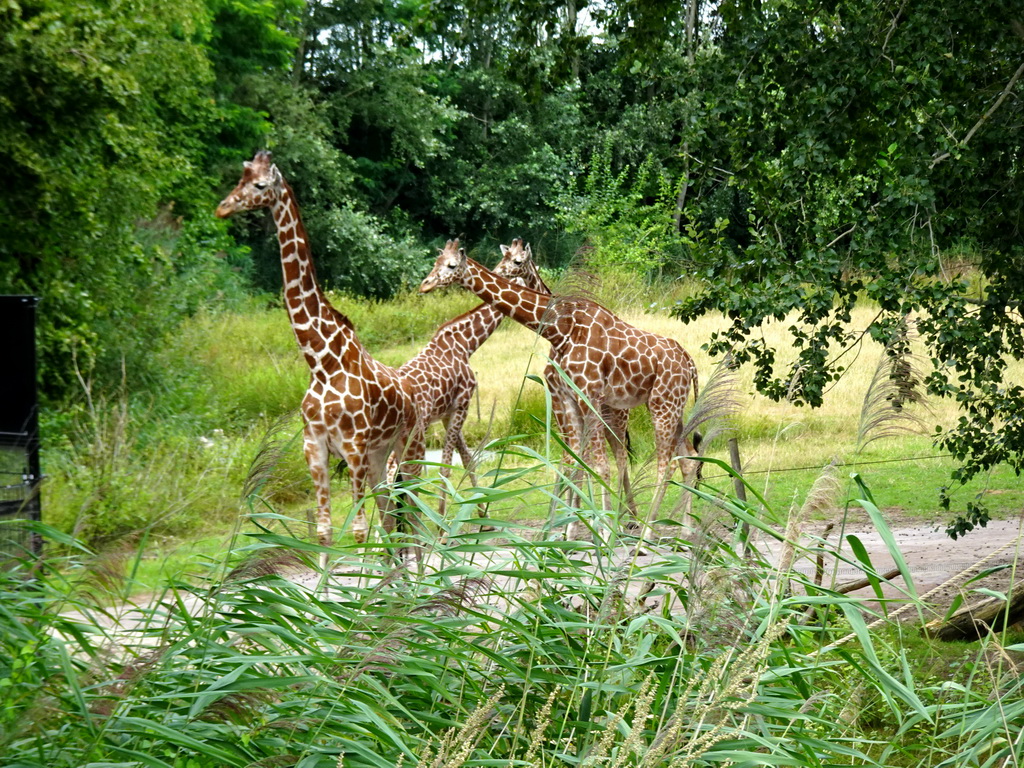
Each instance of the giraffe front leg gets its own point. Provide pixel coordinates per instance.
(392, 470)
(569, 424)
(455, 440)
(593, 441)
(357, 473)
(318, 461)
(410, 451)
(451, 435)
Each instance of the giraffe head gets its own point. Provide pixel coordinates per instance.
(259, 187)
(515, 260)
(450, 265)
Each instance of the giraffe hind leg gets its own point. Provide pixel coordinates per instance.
(617, 421)
(691, 473)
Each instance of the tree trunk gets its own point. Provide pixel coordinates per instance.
(305, 30)
(571, 16)
(691, 31)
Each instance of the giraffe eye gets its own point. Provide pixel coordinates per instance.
(260, 185)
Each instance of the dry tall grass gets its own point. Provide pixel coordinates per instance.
(514, 351)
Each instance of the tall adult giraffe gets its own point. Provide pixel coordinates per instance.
(356, 408)
(442, 384)
(517, 264)
(609, 361)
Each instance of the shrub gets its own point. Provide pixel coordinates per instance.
(625, 216)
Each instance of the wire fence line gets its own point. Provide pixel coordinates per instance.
(744, 472)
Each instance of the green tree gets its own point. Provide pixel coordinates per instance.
(351, 127)
(110, 120)
(870, 142)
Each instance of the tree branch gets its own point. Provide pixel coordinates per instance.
(990, 303)
(892, 28)
(986, 116)
(847, 232)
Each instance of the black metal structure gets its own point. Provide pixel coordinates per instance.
(19, 428)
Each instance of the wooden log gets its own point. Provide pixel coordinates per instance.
(975, 621)
(850, 586)
(853, 586)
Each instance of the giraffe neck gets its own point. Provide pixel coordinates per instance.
(523, 305)
(467, 332)
(533, 280)
(313, 319)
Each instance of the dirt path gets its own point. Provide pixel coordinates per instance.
(934, 559)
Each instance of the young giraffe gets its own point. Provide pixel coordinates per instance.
(517, 265)
(442, 385)
(355, 408)
(612, 363)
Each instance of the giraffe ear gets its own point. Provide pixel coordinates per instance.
(529, 251)
(462, 254)
(505, 249)
(247, 165)
(275, 174)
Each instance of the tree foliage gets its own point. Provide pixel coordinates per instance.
(877, 146)
(108, 116)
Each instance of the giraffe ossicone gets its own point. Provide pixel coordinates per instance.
(355, 408)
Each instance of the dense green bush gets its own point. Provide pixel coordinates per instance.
(624, 216)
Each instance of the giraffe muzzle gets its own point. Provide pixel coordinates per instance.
(429, 284)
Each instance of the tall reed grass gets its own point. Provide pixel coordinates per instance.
(508, 647)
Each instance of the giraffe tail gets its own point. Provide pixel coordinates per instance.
(697, 437)
(630, 450)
